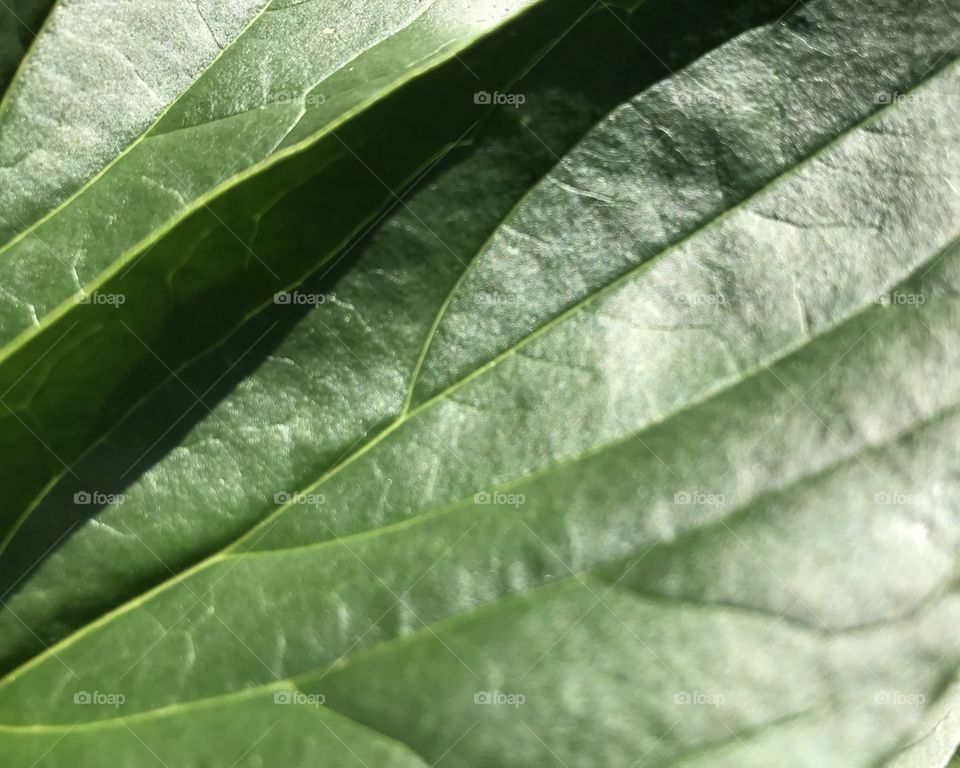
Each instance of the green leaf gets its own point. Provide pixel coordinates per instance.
(157, 165)
(664, 471)
(938, 739)
(563, 101)
(20, 21)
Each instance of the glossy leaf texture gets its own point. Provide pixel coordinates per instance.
(168, 168)
(566, 94)
(657, 466)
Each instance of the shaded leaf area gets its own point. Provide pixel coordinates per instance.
(129, 247)
(20, 21)
(695, 503)
(449, 216)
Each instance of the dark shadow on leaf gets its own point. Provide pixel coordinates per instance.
(598, 65)
(20, 21)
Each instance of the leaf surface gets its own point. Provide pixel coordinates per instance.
(520, 146)
(688, 488)
(157, 162)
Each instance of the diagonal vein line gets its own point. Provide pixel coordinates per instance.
(610, 287)
(597, 449)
